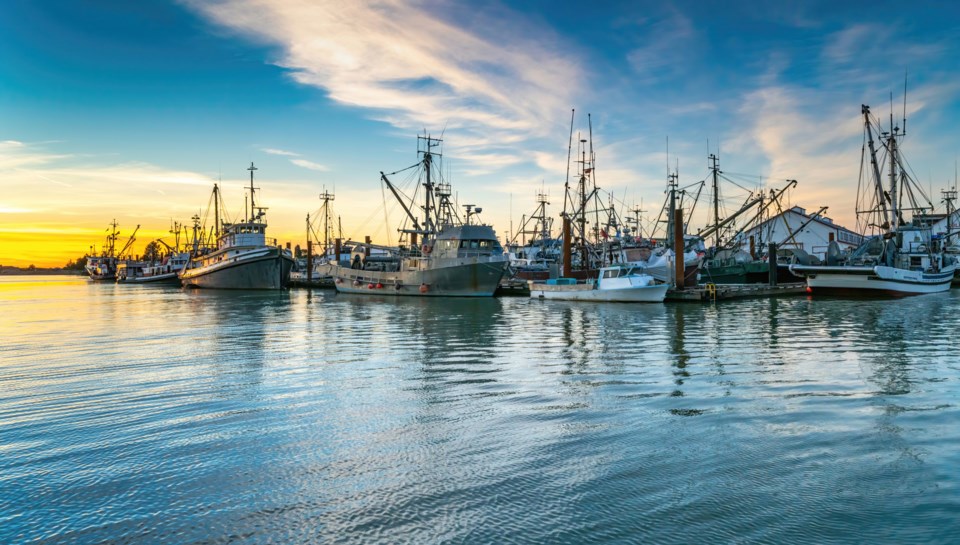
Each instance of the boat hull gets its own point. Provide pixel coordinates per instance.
(258, 270)
(756, 272)
(475, 279)
(586, 292)
(879, 279)
(164, 278)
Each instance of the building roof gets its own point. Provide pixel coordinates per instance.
(822, 220)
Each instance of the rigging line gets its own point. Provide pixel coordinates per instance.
(758, 176)
(734, 183)
(415, 165)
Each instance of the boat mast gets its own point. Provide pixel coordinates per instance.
(894, 196)
(949, 195)
(878, 184)
(253, 205)
(429, 204)
(714, 167)
(112, 239)
(672, 205)
(216, 210)
(326, 197)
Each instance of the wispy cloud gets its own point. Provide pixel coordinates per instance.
(273, 151)
(417, 64)
(310, 165)
(666, 44)
(860, 52)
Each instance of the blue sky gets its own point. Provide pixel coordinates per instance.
(132, 109)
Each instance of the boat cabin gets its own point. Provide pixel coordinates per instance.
(243, 234)
(465, 241)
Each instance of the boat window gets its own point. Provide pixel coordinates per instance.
(611, 273)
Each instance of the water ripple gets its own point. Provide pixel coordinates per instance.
(170, 416)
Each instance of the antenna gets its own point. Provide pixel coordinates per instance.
(668, 155)
(904, 102)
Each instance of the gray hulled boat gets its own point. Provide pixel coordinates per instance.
(456, 258)
(243, 257)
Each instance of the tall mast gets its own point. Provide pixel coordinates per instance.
(894, 197)
(326, 197)
(672, 206)
(112, 238)
(216, 210)
(878, 184)
(429, 204)
(253, 205)
(716, 198)
(584, 252)
(949, 195)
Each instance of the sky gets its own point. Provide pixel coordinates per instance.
(132, 110)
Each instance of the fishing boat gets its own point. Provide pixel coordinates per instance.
(900, 258)
(617, 283)
(165, 271)
(658, 260)
(453, 257)
(533, 258)
(242, 257)
(103, 266)
(313, 266)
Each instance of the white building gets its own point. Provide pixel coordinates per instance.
(784, 230)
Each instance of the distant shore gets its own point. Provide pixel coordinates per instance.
(38, 271)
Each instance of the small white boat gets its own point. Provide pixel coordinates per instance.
(619, 283)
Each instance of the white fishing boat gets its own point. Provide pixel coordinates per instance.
(619, 283)
(243, 257)
(454, 257)
(900, 258)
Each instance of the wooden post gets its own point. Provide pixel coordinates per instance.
(413, 241)
(772, 258)
(366, 249)
(567, 256)
(753, 248)
(309, 261)
(336, 251)
(678, 247)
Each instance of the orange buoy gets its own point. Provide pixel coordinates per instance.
(424, 288)
(379, 285)
(370, 286)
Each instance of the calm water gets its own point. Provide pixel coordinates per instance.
(154, 415)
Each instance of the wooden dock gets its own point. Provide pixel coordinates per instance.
(717, 292)
(320, 284)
